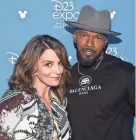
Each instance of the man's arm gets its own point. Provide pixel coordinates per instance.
(131, 89)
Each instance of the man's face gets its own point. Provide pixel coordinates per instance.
(89, 46)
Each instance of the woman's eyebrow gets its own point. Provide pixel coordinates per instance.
(45, 61)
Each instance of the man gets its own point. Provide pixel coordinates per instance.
(101, 96)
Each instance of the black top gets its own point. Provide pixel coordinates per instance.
(101, 102)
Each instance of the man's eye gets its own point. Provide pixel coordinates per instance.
(99, 37)
(83, 35)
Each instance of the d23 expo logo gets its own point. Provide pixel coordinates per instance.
(115, 52)
(63, 10)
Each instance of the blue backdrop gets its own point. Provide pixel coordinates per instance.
(21, 20)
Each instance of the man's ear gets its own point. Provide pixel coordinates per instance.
(106, 41)
(106, 44)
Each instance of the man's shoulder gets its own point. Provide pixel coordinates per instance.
(74, 67)
(120, 64)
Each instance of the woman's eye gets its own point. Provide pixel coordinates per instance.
(48, 65)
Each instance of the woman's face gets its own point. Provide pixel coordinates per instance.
(49, 69)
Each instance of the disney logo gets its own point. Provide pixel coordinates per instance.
(13, 57)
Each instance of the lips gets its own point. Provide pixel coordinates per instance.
(88, 52)
(88, 49)
(56, 78)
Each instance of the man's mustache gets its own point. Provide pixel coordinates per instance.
(88, 49)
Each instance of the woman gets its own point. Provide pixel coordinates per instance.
(34, 107)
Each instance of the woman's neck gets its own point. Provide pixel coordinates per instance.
(44, 93)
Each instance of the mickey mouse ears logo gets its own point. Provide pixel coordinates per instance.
(22, 14)
(112, 14)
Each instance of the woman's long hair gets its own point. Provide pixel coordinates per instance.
(23, 74)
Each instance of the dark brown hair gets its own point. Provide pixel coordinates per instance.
(22, 78)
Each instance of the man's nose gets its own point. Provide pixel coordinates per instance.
(90, 41)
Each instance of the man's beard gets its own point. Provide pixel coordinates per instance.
(88, 59)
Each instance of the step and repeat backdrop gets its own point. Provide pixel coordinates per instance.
(20, 20)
